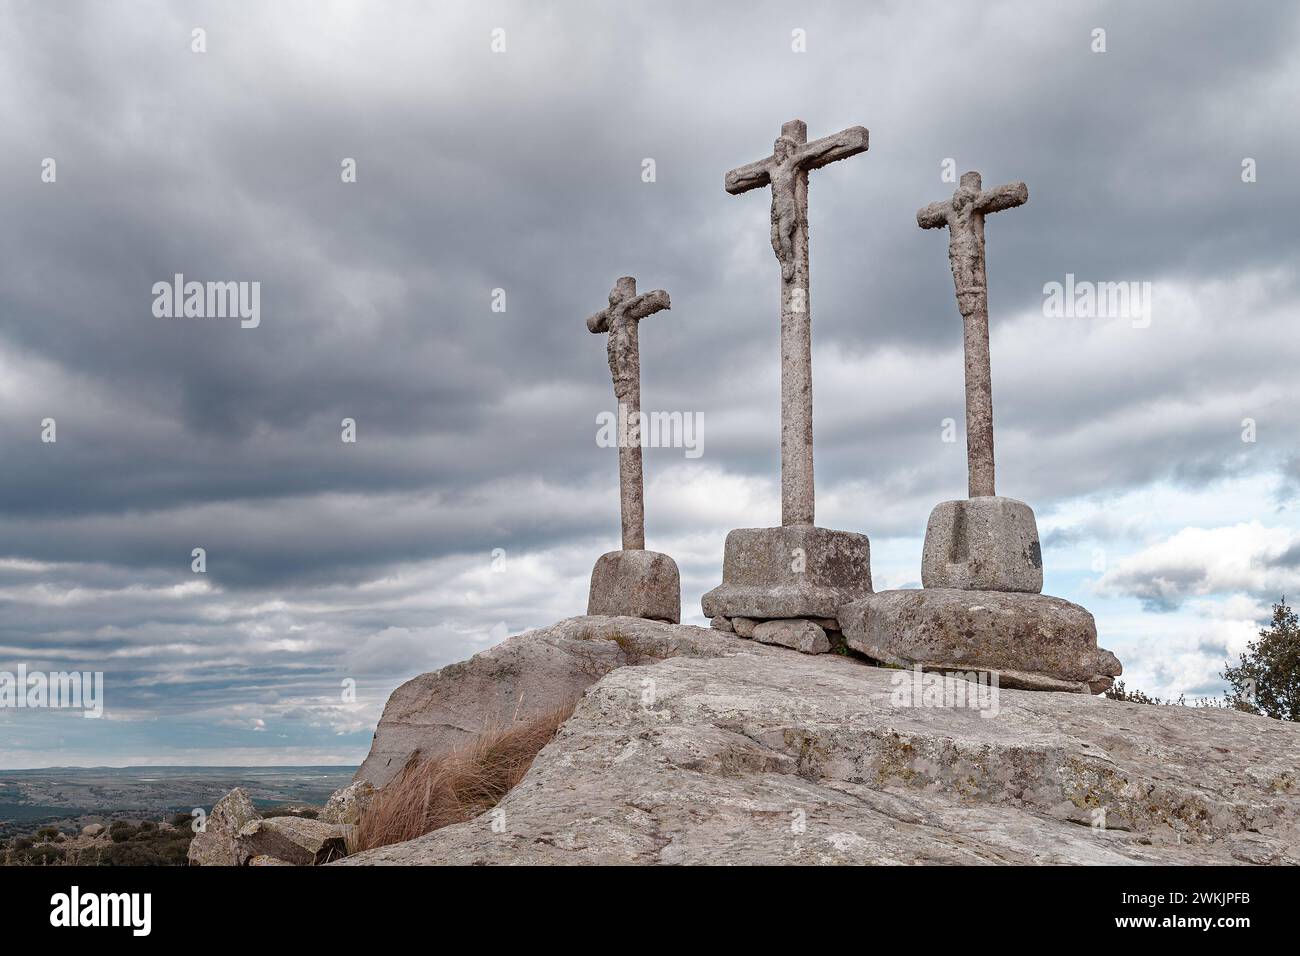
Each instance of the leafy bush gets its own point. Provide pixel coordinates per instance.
(44, 855)
(1266, 681)
(1119, 692)
(1267, 678)
(142, 844)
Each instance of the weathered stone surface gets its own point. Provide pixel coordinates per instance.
(797, 633)
(217, 843)
(963, 215)
(346, 804)
(786, 172)
(622, 321)
(798, 571)
(524, 677)
(743, 626)
(297, 841)
(982, 544)
(92, 830)
(636, 584)
(1033, 641)
(815, 760)
(722, 624)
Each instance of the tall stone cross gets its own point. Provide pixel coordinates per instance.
(786, 171)
(621, 321)
(964, 216)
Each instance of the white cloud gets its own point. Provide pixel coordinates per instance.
(1238, 559)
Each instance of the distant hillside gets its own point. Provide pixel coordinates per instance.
(72, 797)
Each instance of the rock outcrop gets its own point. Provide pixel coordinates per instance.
(1033, 641)
(298, 841)
(217, 844)
(346, 805)
(235, 834)
(760, 754)
(525, 676)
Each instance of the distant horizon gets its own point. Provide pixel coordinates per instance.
(181, 766)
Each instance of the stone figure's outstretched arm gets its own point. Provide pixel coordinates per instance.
(750, 176)
(934, 215)
(1003, 197)
(833, 148)
(648, 303)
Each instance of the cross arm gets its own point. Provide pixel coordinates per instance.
(1003, 197)
(647, 303)
(934, 215)
(750, 176)
(833, 148)
(599, 322)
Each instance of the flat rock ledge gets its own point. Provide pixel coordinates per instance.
(523, 677)
(1031, 641)
(770, 757)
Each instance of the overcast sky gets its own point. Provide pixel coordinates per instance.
(522, 171)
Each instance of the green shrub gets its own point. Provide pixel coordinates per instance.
(1267, 679)
(121, 831)
(44, 855)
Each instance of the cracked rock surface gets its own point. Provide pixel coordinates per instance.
(524, 676)
(770, 756)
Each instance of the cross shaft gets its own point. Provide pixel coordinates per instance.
(964, 216)
(786, 172)
(621, 320)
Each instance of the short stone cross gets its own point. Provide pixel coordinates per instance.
(621, 321)
(964, 216)
(786, 171)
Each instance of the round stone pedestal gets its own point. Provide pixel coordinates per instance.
(636, 584)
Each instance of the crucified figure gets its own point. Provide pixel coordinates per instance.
(622, 321)
(786, 171)
(963, 215)
(790, 158)
(786, 218)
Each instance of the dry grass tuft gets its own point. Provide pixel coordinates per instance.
(430, 794)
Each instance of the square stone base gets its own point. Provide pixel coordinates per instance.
(636, 584)
(1032, 641)
(797, 571)
(982, 544)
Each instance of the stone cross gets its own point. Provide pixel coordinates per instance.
(786, 171)
(621, 320)
(964, 216)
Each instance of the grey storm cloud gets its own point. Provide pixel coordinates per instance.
(522, 171)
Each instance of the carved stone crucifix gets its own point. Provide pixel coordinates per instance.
(786, 171)
(621, 321)
(964, 216)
